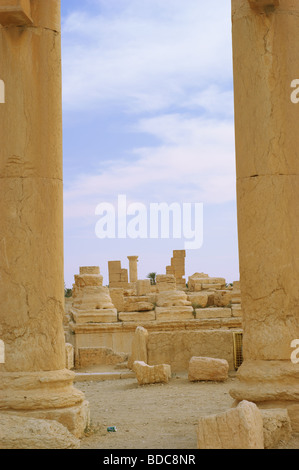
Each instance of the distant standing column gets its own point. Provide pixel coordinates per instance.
(33, 379)
(265, 50)
(133, 268)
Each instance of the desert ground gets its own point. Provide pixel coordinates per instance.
(154, 416)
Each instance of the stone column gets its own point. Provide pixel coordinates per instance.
(133, 268)
(33, 379)
(265, 51)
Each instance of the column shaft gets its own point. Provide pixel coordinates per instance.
(267, 143)
(31, 218)
(133, 268)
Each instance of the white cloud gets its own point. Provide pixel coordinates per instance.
(194, 162)
(172, 60)
(146, 56)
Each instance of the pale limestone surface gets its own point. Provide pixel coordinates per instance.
(49, 395)
(262, 381)
(277, 427)
(198, 299)
(138, 304)
(173, 305)
(141, 316)
(267, 142)
(237, 428)
(31, 228)
(117, 298)
(18, 432)
(69, 356)
(165, 282)
(133, 260)
(118, 277)
(177, 268)
(139, 347)
(99, 356)
(176, 347)
(143, 287)
(145, 374)
(223, 298)
(236, 310)
(207, 368)
(172, 299)
(91, 301)
(201, 281)
(236, 293)
(211, 312)
(31, 249)
(174, 313)
(204, 337)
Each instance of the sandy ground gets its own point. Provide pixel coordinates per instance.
(153, 416)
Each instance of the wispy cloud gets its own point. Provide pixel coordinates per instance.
(146, 56)
(193, 162)
(160, 71)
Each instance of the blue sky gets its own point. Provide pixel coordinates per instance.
(148, 113)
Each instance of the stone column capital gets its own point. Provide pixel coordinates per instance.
(37, 13)
(132, 258)
(15, 12)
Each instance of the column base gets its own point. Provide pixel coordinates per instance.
(45, 395)
(270, 384)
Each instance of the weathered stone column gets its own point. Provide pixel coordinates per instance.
(33, 379)
(265, 50)
(133, 268)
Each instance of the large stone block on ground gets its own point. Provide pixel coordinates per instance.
(139, 346)
(277, 427)
(237, 428)
(207, 368)
(146, 374)
(17, 432)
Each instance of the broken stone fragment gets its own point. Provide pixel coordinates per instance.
(237, 428)
(146, 374)
(18, 432)
(207, 368)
